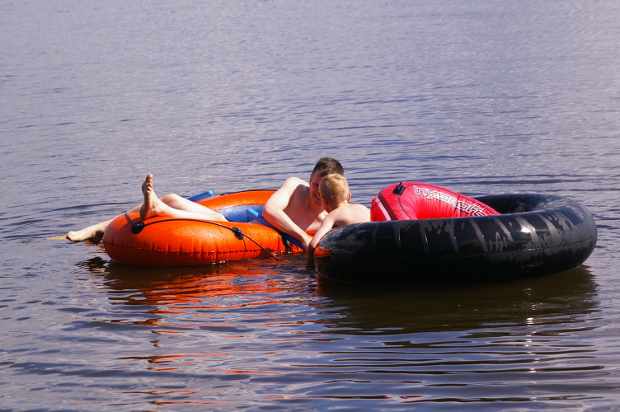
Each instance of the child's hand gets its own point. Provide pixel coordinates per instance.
(306, 241)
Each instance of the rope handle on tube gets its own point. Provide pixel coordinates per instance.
(138, 226)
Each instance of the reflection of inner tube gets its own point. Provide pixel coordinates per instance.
(534, 234)
(558, 299)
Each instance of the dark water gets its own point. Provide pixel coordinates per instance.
(483, 97)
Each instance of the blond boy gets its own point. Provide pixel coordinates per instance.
(336, 198)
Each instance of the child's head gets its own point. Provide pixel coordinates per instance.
(334, 190)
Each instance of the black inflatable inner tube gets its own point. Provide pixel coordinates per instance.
(535, 234)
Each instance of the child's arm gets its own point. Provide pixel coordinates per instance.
(341, 216)
(326, 226)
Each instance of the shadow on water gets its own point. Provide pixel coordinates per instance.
(550, 299)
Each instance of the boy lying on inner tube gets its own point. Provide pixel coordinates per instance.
(336, 198)
(295, 208)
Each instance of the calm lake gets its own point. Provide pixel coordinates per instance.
(484, 97)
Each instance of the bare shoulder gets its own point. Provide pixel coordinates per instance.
(293, 182)
(290, 187)
(283, 195)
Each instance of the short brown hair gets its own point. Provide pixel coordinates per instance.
(326, 166)
(334, 189)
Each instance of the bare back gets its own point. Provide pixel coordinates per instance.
(350, 213)
(345, 214)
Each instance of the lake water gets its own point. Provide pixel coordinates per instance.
(484, 97)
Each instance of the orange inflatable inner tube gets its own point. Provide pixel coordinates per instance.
(164, 241)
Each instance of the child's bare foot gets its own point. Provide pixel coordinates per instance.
(152, 204)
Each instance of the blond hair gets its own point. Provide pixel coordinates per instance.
(334, 189)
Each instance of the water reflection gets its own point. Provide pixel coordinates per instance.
(206, 290)
(208, 324)
(179, 289)
(547, 300)
(444, 343)
(272, 325)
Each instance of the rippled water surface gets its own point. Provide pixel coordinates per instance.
(484, 97)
